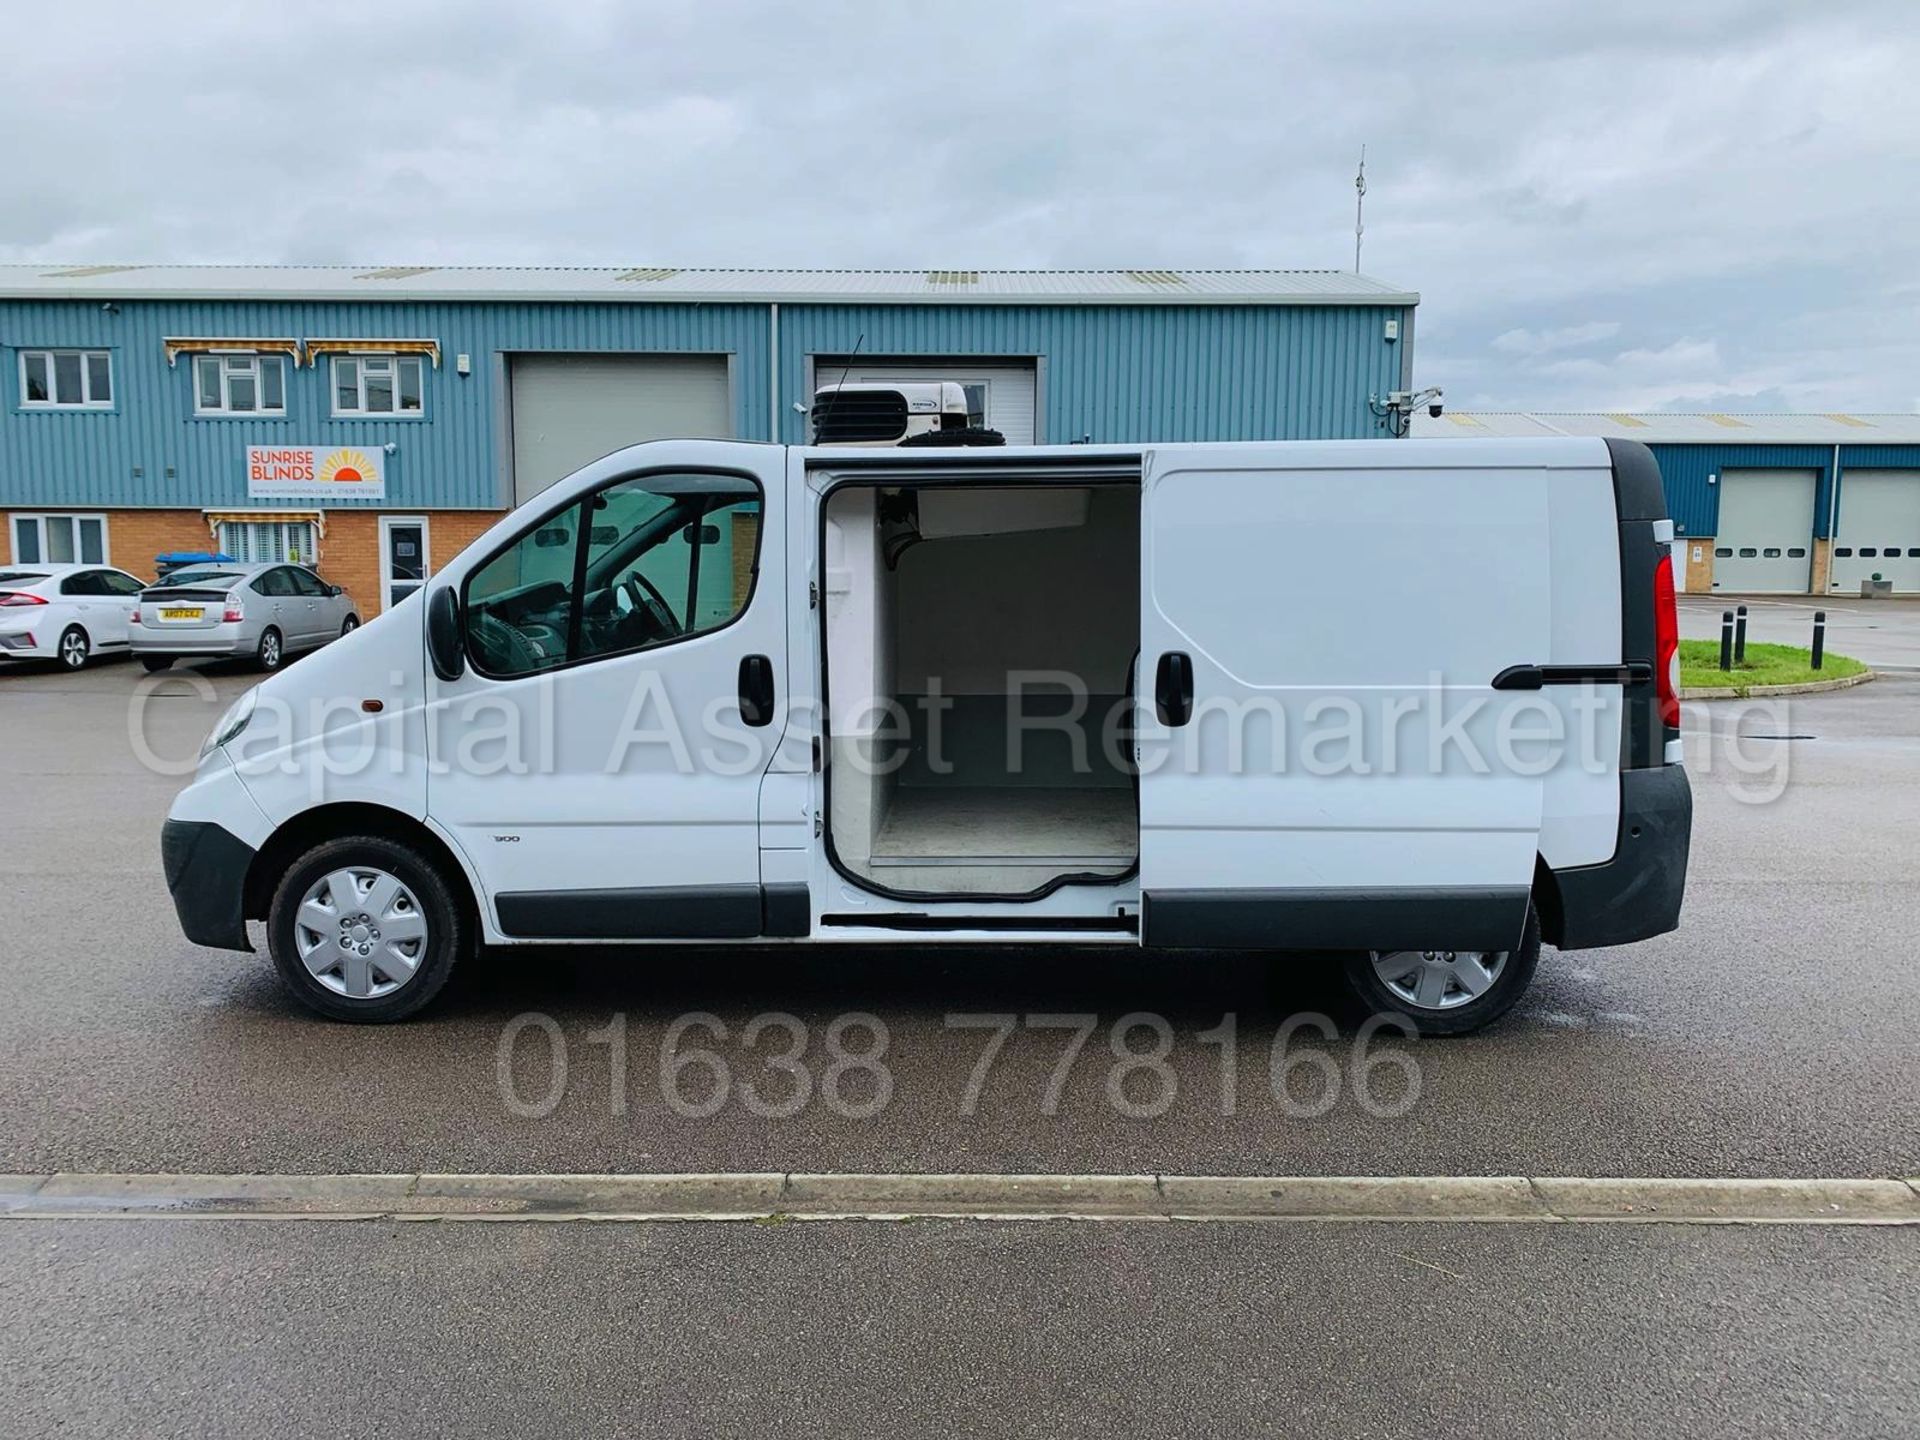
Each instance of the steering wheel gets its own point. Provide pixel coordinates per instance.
(647, 599)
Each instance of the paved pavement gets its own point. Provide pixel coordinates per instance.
(1772, 1035)
(203, 1328)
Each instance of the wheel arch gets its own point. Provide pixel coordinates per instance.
(348, 817)
(1547, 903)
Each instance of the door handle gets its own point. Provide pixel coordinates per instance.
(756, 689)
(1173, 688)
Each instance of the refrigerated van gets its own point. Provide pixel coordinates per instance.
(1410, 705)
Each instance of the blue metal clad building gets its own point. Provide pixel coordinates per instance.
(1765, 504)
(1167, 355)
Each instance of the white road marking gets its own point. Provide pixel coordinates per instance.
(774, 1197)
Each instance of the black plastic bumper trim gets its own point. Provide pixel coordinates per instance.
(206, 869)
(1467, 918)
(689, 912)
(786, 911)
(1637, 894)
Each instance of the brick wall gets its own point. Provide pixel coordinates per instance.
(349, 548)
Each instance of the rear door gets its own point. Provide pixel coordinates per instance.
(1321, 625)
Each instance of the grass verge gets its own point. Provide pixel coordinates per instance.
(1764, 665)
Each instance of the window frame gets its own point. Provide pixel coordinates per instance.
(254, 360)
(86, 353)
(388, 523)
(582, 541)
(358, 359)
(40, 517)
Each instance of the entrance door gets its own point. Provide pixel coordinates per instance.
(404, 561)
(600, 760)
(1879, 532)
(1765, 544)
(1302, 591)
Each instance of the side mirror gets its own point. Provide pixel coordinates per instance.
(444, 649)
(334, 592)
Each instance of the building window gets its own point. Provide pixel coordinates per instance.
(264, 541)
(66, 379)
(239, 385)
(59, 539)
(377, 384)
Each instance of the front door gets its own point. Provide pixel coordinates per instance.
(1317, 625)
(403, 557)
(600, 760)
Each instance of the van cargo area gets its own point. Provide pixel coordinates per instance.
(980, 648)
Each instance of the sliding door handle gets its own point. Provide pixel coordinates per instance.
(756, 690)
(1173, 688)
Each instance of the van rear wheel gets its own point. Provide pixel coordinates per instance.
(1446, 992)
(365, 928)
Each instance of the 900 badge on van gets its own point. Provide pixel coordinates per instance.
(1412, 704)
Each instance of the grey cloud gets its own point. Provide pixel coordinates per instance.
(1720, 170)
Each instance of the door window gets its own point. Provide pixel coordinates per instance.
(642, 563)
(406, 558)
(305, 582)
(274, 582)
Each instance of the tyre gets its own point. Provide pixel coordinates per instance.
(157, 662)
(271, 652)
(1446, 992)
(349, 625)
(366, 929)
(75, 648)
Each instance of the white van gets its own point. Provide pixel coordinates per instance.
(1410, 703)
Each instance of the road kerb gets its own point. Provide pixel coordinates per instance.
(1389, 1197)
(1703, 1200)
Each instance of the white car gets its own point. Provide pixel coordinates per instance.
(68, 613)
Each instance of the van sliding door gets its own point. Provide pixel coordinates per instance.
(1320, 764)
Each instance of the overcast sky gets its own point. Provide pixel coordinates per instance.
(1605, 205)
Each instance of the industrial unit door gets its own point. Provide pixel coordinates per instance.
(1765, 544)
(570, 409)
(1004, 394)
(1879, 530)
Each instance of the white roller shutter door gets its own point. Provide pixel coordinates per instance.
(571, 409)
(1879, 530)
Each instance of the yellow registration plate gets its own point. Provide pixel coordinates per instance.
(182, 612)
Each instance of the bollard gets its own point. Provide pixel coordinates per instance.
(1819, 637)
(1740, 636)
(1726, 639)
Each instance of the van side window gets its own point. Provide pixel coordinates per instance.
(641, 563)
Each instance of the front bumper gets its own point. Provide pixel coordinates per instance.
(206, 869)
(1637, 894)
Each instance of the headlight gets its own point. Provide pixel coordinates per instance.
(231, 723)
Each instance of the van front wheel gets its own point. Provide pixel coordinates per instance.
(1446, 992)
(365, 928)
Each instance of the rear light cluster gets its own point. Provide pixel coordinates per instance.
(232, 614)
(20, 597)
(1666, 643)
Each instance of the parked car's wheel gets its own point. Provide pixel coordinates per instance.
(157, 662)
(1447, 992)
(74, 647)
(365, 928)
(272, 650)
(349, 625)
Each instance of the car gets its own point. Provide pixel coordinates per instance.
(707, 691)
(261, 612)
(68, 613)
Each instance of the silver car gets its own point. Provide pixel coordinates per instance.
(258, 612)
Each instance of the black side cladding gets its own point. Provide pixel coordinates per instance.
(1641, 501)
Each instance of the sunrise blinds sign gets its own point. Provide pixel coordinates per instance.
(315, 472)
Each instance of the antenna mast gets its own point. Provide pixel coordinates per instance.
(1359, 207)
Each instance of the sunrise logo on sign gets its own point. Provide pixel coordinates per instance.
(346, 467)
(315, 472)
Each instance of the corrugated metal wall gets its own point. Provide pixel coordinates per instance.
(1695, 504)
(1114, 373)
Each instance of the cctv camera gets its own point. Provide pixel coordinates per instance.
(1434, 409)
